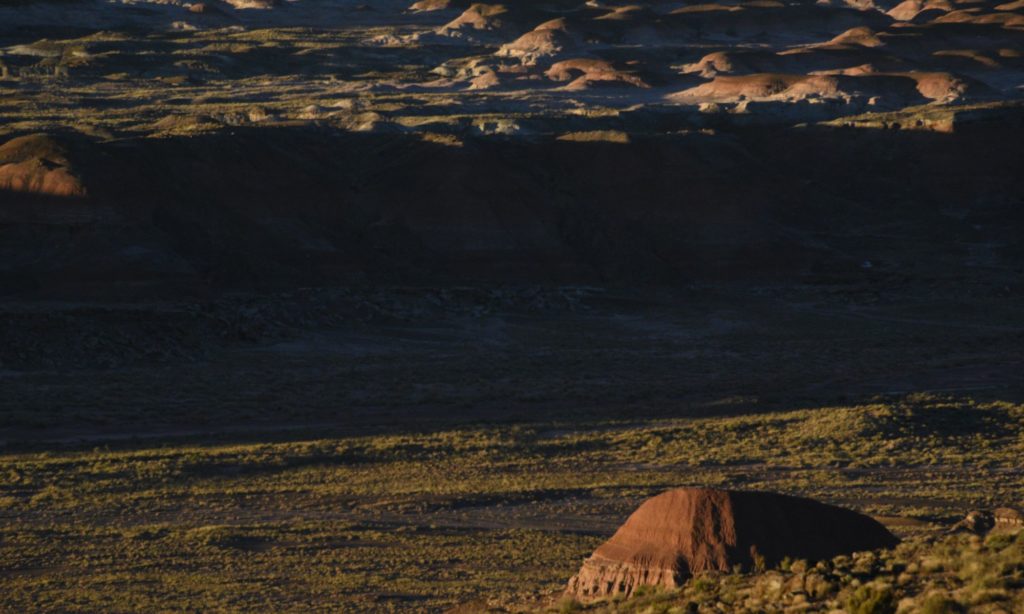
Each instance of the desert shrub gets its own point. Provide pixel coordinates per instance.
(568, 605)
(704, 586)
(759, 562)
(728, 589)
(999, 541)
(976, 597)
(53, 496)
(652, 600)
(219, 536)
(818, 586)
(872, 599)
(144, 533)
(940, 604)
(642, 590)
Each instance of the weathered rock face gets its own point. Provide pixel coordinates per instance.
(686, 531)
(1009, 518)
(37, 164)
(981, 522)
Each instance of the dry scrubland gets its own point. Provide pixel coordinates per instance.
(946, 575)
(500, 516)
(332, 305)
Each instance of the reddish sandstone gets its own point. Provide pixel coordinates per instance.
(683, 532)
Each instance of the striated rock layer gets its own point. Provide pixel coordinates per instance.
(682, 532)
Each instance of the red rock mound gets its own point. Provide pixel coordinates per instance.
(586, 72)
(851, 84)
(940, 85)
(478, 17)
(252, 4)
(860, 36)
(910, 9)
(548, 39)
(683, 532)
(430, 5)
(731, 88)
(36, 164)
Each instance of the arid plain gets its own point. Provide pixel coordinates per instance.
(368, 306)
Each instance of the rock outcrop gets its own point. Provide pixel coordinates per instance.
(546, 40)
(981, 522)
(683, 532)
(37, 164)
(582, 73)
(252, 4)
(477, 19)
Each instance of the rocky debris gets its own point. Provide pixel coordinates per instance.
(980, 522)
(687, 531)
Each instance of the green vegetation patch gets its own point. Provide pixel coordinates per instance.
(421, 520)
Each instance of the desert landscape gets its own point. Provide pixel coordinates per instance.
(526, 306)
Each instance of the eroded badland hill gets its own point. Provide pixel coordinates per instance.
(332, 305)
